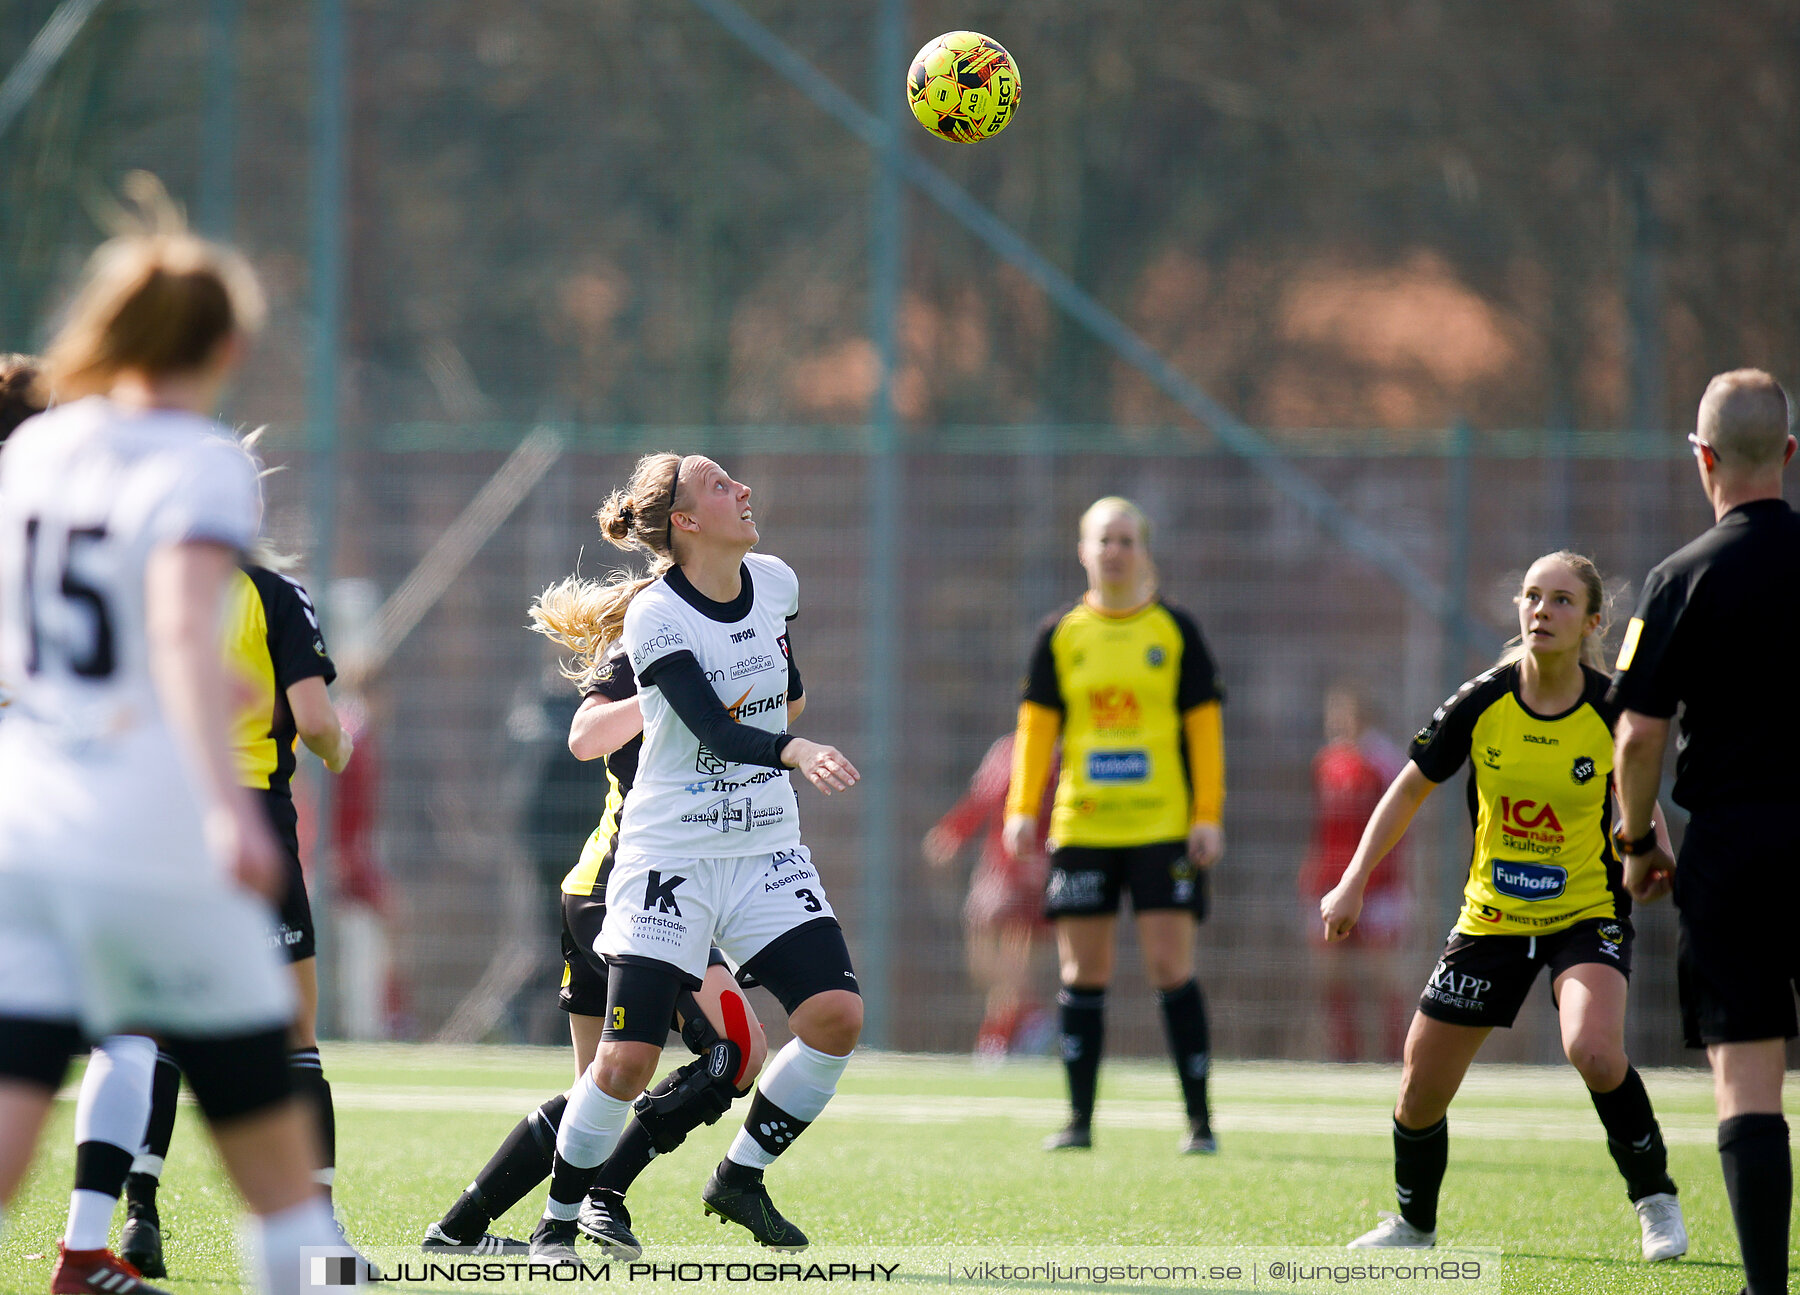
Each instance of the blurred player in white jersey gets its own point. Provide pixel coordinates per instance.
(134, 871)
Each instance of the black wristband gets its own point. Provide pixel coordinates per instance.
(1643, 845)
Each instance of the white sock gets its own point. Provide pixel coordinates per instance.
(800, 1081)
(274, 1242)
(149, 1165)
(589, 1131)
(114, 1105)
(112, 1108)
(90, 1220)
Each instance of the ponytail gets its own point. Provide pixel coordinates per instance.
(587, 617)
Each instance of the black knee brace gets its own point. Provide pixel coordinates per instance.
(697, 1093)
(696, 1031)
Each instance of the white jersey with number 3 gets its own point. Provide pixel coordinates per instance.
(688, 801)
(90, 774)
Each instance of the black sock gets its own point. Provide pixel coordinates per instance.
(629, 1159)
(570, 1184)
(101, 1167)
(141, 1183)
(1082, 1014)
(1190, 1044)
(772, 1128)
(732, 1174)
(309, 1082)
(522, 1162)
(1759, 1179)
(1633, 1138)
(1420, 1158)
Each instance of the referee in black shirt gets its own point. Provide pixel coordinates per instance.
(1714, 632)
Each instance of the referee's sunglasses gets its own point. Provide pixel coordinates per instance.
(1710, 451)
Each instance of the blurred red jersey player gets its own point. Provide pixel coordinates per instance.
(1349, 775)
(1004, 913)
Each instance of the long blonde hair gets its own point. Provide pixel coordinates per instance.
(587, 616)
(1593, 644)
(155, 299)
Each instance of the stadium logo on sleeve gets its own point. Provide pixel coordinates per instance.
(1583, 770)
(1531, 881)
(1118, 766)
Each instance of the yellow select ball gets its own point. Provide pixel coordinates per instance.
(963, 86)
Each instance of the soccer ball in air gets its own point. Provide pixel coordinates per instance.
(963, 86)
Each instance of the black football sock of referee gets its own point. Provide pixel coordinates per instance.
(1420, 1158)
(1190, 1044)
(1083, 1026)
(1759, 1179)
(309, 1085)
(1633, 1137)
(520, 1164)
(147, 1169)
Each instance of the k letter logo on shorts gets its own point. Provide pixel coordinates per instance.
(659, 895)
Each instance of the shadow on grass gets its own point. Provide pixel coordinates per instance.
(1600, 1261)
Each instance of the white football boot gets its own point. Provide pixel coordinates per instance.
(1665, 1231)
(1393, 1233)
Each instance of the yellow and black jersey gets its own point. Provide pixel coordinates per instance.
(272, 641)
(614, 681)
(1135, 697)
(1540, 798)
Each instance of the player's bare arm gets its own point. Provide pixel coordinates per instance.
(1342, 904)
(1637, 768)
(316, 721)
(601, 727)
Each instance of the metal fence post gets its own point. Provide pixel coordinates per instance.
(326, 273)
(1456, 610)
(886, 482)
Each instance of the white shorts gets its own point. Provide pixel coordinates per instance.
(675, 910)
(183, 956)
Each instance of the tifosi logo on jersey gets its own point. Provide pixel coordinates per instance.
(708, 763)
(1531, 881)
(722, 815)
(1118, 766)
(1583, 770)
(744, 635)
(659, 895)
(1114, 708)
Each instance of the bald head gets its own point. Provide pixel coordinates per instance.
(1744, 416)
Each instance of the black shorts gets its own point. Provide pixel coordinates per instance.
(1483, 979)
(1087, 880)
(1737, 880)
(294, 934)
(583, 991)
